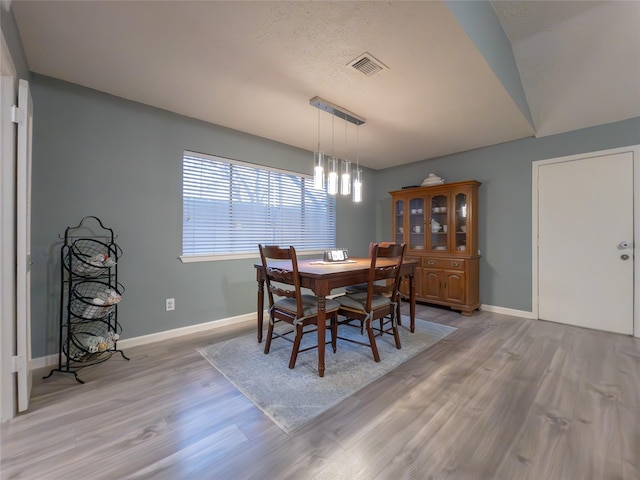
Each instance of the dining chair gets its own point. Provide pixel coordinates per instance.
(379, 302)
(291, 305)
(362, 287)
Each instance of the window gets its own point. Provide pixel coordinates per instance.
(229, 207)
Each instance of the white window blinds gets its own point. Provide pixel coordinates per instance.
(229, 207)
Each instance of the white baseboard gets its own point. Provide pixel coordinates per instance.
(240, 320)
(508, 311)
(248, 318)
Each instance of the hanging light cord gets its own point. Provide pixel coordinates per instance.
(346, 150)
(357, 146)
(333, 134)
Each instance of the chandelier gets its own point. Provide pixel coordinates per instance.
(339, 177)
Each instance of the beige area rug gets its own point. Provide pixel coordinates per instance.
(291, 398)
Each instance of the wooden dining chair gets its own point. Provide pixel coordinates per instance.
(362, 287)
(290, 305)
(379, 302)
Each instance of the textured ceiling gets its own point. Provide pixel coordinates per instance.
(254, 66)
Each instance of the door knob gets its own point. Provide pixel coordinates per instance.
(622, 245)
(624, 256)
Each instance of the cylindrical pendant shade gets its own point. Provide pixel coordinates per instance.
(357, 186)
(345, 177)
(332, 176)
(318, 170)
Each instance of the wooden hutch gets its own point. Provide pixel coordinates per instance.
(439, 224)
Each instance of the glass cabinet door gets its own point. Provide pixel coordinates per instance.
(416, 224)
(461, 205)
(399, 222)
(439, 223)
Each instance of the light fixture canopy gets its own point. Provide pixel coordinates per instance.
(337, 111)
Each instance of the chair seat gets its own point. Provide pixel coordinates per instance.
(309, 305)
(360, 287)
(358, 301)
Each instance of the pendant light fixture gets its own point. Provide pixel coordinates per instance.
(339, 176)
(332, 174)
(345, 168)
(357, 174)
(318, 163)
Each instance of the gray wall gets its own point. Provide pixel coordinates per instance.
(95, 154)
(505, 199)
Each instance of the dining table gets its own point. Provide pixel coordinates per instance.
(321, 277)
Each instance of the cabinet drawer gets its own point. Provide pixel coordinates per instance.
(444, 263)
(418, 260)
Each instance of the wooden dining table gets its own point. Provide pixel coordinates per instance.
(323, 277)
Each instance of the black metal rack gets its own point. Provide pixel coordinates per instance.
(89, 297)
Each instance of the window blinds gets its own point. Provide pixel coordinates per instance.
(230, 207)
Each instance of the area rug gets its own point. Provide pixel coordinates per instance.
(291, 398)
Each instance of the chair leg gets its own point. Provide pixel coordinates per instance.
(296, 346)
(372, 341)
(396, 333)
(267, 343)
(334, 332)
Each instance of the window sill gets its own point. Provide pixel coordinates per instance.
(236, 256)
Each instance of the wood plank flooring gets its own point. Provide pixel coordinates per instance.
(500, 398)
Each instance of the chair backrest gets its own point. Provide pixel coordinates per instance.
(390, 272)
(278, 278)
(380, 244)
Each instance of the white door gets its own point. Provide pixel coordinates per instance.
(24, 116)
(585, 216)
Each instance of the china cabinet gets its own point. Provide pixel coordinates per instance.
(439, 225)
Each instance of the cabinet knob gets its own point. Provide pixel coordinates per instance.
(454, 264)
(431, 262)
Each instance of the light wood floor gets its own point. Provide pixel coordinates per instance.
(500, 398)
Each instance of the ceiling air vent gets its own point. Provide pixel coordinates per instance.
(368, 64)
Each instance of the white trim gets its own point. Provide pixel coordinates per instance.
(534, 238)
(237, 256)
(215, 258)
(248, 319)
(636, 241)
(508, 311)
(635, 151)
(240, 320)
(219, 158)
(8, 91)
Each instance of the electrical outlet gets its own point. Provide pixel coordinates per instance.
(170, 304)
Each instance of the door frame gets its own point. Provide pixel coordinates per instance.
(8, 93)
(635, 151)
